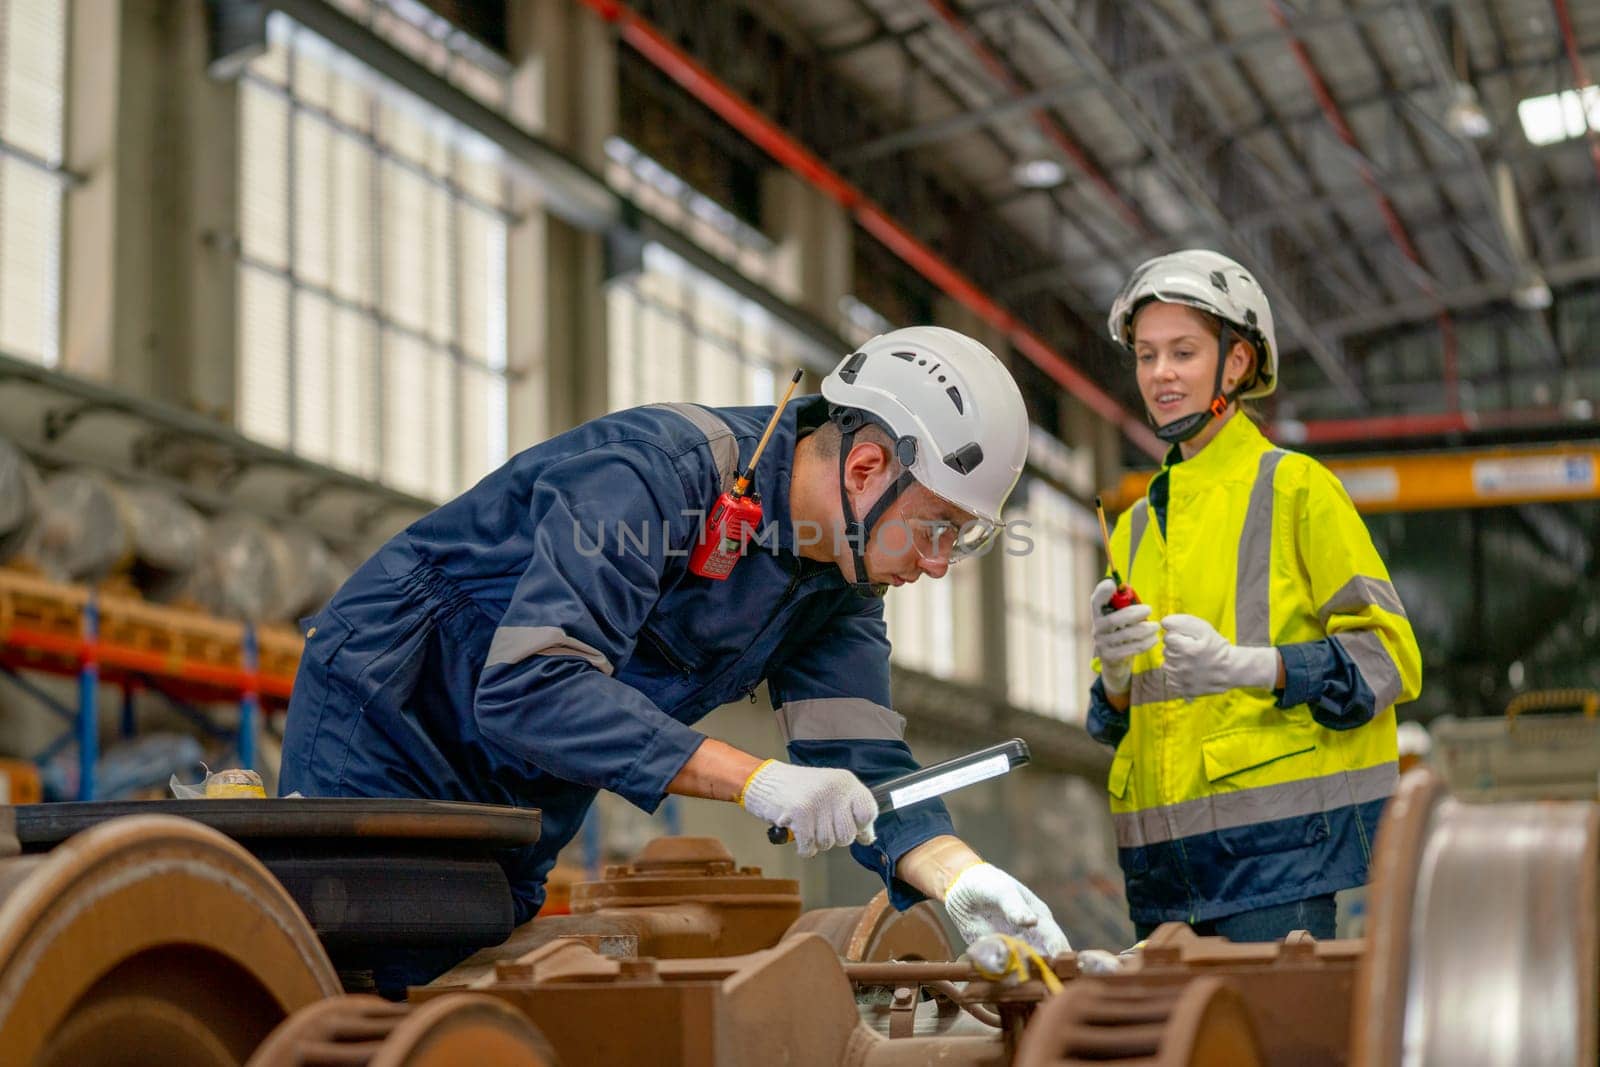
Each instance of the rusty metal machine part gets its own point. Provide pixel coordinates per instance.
(41, 826)
(149, 939)
(373, 876)
(1483, 946)
(366, 1031)
(1202, 1022)
(877, 932)
(791, 1004)
(1299, 991)
(680, 898)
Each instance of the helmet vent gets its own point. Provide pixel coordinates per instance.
(965, 459)
(852, 367)
(955, 398)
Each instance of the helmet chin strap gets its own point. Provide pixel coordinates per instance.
(857, 533)
(1184, 428)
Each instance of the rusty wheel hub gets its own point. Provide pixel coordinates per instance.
(365, 1031)
(877, 933)
(149, 939)
(1483, 945)
(1200, 1023)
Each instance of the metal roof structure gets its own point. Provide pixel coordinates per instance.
(1432, 265)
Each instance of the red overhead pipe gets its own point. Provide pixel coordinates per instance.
(1041, 118)
(1579, 75)
(781, 146)
(1391, 218)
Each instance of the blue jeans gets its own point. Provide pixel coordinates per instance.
(1274, 923)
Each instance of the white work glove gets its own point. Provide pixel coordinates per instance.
(1200, 661)
(821, 806)
(1119, 636)
(986, 900)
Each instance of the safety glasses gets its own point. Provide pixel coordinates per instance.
(942, 540)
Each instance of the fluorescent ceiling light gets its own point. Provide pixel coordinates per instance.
(1465, 116)
(1560, 116)
(1040, 173)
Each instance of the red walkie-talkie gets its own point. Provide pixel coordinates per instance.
(736, 514)
(1124, 595)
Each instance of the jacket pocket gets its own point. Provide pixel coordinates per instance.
(663, 640)
(1245, 762)
(326, 633)
(1254, 749)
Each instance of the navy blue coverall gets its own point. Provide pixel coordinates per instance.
(540, 638)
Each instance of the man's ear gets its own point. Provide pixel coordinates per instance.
(867, 460)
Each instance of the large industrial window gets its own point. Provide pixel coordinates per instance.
(372, 273)
(675, 333)
(32, 95)
(1048, 579)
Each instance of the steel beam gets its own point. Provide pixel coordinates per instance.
(1457, 299)
(1514, 251)
(738, 112)
(1192, 53)
(1200, 190)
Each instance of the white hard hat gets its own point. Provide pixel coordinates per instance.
(1211, 282)
(953, 400)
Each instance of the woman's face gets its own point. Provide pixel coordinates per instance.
(1175, 353)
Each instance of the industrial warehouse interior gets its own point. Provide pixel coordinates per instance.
(870, 532)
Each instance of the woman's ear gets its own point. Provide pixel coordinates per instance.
(1241, 363)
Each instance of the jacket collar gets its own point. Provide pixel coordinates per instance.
(1239, 444)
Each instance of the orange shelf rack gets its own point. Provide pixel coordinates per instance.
(106, 637)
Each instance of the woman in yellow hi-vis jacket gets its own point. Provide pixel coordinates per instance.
(1250, 696)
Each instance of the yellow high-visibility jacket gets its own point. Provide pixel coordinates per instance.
(1231, 802)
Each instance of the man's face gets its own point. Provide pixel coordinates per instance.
(914, 537)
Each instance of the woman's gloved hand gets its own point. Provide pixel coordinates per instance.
(1200, 661)
(1119, 636)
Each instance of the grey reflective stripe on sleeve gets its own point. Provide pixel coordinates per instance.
(1138, 519)
(1374, 663)
(724, 446)
(830, 718)
(513, 644)
(1362, 592)
(1149, 686)
(1252, 607)
(1247, 807)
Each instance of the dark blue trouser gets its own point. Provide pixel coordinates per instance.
(1316, 915)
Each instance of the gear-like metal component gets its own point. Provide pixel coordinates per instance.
(149, 939)
(1199, 1023)
(1483, 946)
(366, 1031)
(876, 932)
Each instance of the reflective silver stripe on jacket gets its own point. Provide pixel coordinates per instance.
(724, 446)
(1252, 606)
(1360, 593)
(1246, 807)
(831, 718)
(513, 644)
(1372, 659)
(1149, 686)
(1138, 519)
